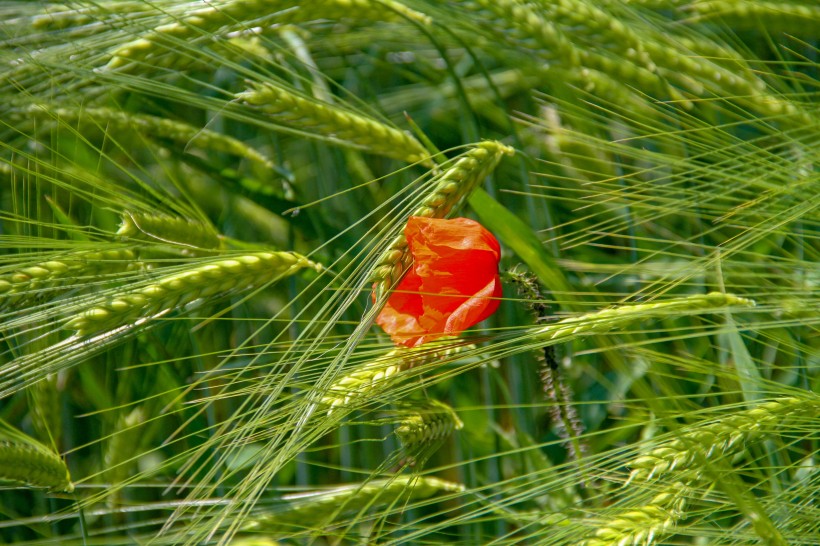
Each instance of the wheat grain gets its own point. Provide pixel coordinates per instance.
(448, 191)
(528, 28)
(522, 24)
(348, 128)
(700, 443)
(178, 289)
(582, 19)
(374, 378)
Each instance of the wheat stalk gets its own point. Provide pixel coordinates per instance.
(181, 288)
(449, 189)
(375, 377)
(703, 442)
(120, 453)
(46, 415)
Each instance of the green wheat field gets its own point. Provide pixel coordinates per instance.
(202, 208)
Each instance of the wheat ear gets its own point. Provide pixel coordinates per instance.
(644, 524)
(286, 106)
(232, 14)
(26, 461)
(178, 132)
(181, 288)
(426, 423)
(311, 510)
(373, 378)
(449, 189)
(168, 229)
(619, 317)
(772, 16)
(27, 281)
(704, 442)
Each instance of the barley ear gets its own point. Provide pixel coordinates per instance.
(424, 425)
(348, 128)
(310, 511)
(448, 191)
(374, 378)
(619, 317)
(21, 284)
(698, 444)
(175, 290)
(643, 524)
(172, 230)
(26, 461)
(156, 48)
(169, 130)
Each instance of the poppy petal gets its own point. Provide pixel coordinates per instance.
(452, 285)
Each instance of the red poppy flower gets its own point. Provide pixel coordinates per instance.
(452, 285)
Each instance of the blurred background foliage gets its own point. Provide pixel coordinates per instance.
(663, 149)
